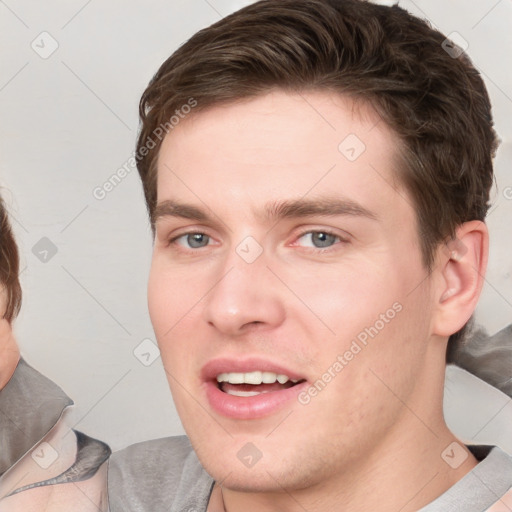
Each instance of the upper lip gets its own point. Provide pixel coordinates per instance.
(217, 366)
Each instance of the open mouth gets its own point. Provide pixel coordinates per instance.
(250, 388)
(254, 383)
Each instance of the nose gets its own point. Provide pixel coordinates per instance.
(245, 296)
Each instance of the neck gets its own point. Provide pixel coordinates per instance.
(404, 471)
(404, 475)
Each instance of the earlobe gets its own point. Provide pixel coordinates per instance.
(461, 266)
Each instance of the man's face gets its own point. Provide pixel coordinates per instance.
(285, 246)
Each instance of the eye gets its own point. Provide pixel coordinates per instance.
(318, 239)
(192, 240)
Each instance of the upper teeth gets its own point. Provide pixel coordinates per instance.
(254, 378)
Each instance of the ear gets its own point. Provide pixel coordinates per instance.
(9, 352)
(461, 265)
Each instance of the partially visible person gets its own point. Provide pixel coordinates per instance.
(44, 463)
(10, 298)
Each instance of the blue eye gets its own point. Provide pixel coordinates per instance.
(319, 239)
(193, 240)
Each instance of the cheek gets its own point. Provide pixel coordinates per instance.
(172, 296)
(345, 299)
(361, 303)
(158, 297)
(174, 303)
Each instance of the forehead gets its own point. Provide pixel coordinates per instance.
(280, 146)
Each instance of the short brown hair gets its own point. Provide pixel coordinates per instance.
(437, 104)
(9, 266)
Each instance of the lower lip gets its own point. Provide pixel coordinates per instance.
(250, 407)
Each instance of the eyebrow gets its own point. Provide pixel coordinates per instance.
(322, 207)
(278, 210)
(170, 208)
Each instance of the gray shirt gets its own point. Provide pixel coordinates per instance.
(165, 474)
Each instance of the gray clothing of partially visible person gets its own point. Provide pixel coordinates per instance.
(31, 406)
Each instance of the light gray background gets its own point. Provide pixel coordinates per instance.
(69, 121)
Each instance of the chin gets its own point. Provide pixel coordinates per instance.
(254, 484)
(253, 481)
(264, 477)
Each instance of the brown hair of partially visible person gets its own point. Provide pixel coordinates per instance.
(9, 266)
(436, 104)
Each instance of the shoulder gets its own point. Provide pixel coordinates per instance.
(166, 452)
(153, 474)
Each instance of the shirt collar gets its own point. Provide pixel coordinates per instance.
(479, 489)
(30, 406)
